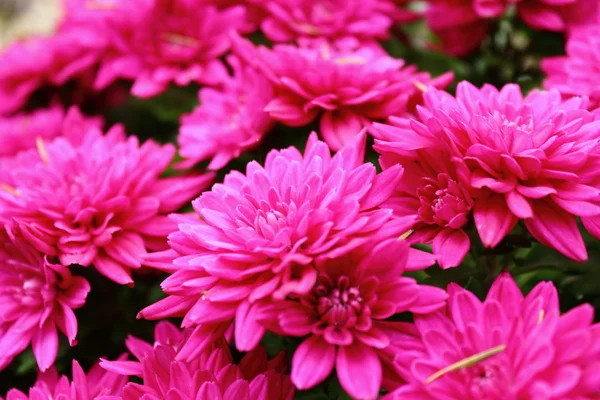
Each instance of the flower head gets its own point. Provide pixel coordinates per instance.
(259, 234)
(578, 72)
(349, 85)
(89, 198)
(289, 20)
(156, 42)
(21, 131)
(344, 315)
(38, 297)
(430, 191)
(229, 120)
(210, 375)
(533, 158)
(508, 346)
(97, 383)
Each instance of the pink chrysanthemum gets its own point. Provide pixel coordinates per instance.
(577, 73)
(430, 191)
(21, 131)
(259, 234)
(348, 84)
(97, 383)
(344, 315)
(156, 42)
(289, 20)
(93, 199)
(228, 121)
(533, 158)
(212, 374)
(508, 347)
(462, 25)
(37, 297)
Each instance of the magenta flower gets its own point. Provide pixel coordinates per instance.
(229, 121)
(430, 191)
(577, 73)
(289, 20)
(462, 25)
(349, 85)
(96, 384)
(21, 131)
(37, 297)
(156, 42)
(344, 315)
(210, 375)
(508, 347)
(259, 234)
(93, 199)
(532, 158)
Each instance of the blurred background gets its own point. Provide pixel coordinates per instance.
(23, 18)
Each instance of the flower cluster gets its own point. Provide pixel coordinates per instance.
(505, 157)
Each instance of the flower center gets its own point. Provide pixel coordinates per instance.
(339, 304)
(443, 202)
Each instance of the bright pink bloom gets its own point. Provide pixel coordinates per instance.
(349, 85)
(93, 199)
(508, 347)
(156, 42)
(21, 131)
(96, 384)
(259, 234)
(289, 20)
(37, 297)
(430, 191)
(577, 73)
(344, 315)
(212, 374)
(462, 25)
(229, 121)
(533, 158)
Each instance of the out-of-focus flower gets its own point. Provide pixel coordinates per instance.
(462, 25)
(210, 375)
(289, 20)
(229, 120)
(430, 190)
(259, 234)
(347, 84)
(156, 42)
(98, 383)
(577, 73)
(534, 158)
(38, 297)
(21, 131)
(344, 315)
(89, 198)
(506, 347)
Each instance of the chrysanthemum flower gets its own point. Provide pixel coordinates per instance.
(97, 383)
(577, 73)
(211, 375)
(462, 25)
(533, 158)
(289, 20)
(156, 42)
(37, 297)
(344, 315)
(21, 131)
(348, 84)
(430, 190)
(229, 120)
(93, 199)
(507, 347)
(259, 234)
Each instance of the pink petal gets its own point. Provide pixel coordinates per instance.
(45, 345)
(312, 362)
(451, 246)
(493, 219)
(359, 370)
